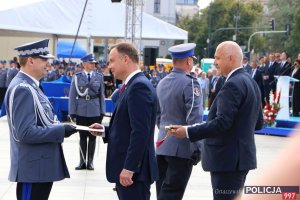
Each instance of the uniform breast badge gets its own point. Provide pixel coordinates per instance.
(196, 91)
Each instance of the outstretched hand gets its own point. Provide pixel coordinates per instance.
(177, 131)
(96, 126)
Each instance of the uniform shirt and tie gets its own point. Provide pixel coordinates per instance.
(87, 104)
(83, 103)
(89, 76)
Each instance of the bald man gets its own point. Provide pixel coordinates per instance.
(229, 150)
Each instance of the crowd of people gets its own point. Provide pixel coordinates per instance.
(267, 69)
(174, 102)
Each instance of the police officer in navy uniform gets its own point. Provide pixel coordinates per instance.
(3, 74)
(51, 74)
(180, 101)
(11, 72)
(37, 158)
(161, 73)
(87, 105)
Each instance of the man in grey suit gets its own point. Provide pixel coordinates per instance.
(180, 102)
(229, 150)
(37, 158)
(204, 84)
(87, 105)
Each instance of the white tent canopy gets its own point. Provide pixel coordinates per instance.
(101, 19)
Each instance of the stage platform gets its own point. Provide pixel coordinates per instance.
(283, 127)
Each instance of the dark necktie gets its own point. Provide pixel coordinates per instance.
(122, 89)
(89, 77)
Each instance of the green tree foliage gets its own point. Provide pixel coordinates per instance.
(285, 12)
(195, 26)
(221, 14)
(293, 43)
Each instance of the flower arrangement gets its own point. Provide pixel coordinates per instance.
(271, 109)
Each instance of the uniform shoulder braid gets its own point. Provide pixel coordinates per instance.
(77, 73)
(190, 76)
(195, 85)
(98, 73)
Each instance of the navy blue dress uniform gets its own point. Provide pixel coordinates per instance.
(11, 73)
(155, 79)
(50, 76)
(87, 104)
(3, 74)
(37, 158)
(180, 102)
(161, 73)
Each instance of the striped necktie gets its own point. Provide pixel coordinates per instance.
(122, 89)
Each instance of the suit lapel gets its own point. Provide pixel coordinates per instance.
(123, 96)
(237, 72)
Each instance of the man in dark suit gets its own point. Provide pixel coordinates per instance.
(131, 162)
(268, 76)
(219, 85)
(256, 74)
(285, 68)
(246, 65)
(229, 150)
(212, 86)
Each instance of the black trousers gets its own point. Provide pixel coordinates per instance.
(174, 174)
(33, 191)
(137, 191)
(87, 121)
(2, 94)
(227, 185)
(84, 144)
(296, 102)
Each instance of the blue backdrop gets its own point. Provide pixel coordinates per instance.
(64, 49)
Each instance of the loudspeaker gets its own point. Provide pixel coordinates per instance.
(116, 1)
(150, 55)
